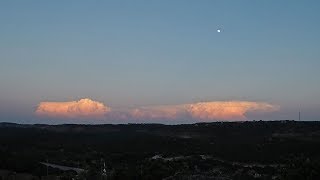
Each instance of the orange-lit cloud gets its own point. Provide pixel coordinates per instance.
(227, 110)
(204, 111)
(84, 108)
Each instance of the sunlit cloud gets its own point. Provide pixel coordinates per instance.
(227, 110)
(201, 111)
(204, 111)
(84, 108)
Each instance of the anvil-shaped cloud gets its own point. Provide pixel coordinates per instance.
(202, 111)
(84, 108)
(226, 110)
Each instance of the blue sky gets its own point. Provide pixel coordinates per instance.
(140, 53)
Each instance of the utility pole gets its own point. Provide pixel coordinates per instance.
(299, 115)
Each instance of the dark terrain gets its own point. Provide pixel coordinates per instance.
(229, 150)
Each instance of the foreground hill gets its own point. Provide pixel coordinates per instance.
(225, 150)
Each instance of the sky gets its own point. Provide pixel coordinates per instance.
(158, 57)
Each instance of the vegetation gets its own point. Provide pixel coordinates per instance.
(228, 150)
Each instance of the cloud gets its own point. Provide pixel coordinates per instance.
(227, 110)
(158, 112)
(201, 111)
(84, 108)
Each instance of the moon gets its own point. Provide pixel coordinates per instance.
(218, 30)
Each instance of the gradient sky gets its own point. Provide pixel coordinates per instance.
(139, 53)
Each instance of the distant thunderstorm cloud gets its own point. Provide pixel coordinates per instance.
(84, 108)
(225, 110)
(202, 111)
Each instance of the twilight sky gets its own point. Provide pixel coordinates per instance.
(155, 59)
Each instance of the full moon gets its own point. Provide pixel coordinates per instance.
(218, 30)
